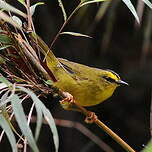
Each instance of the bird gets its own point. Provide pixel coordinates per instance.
(88, 85)
(84, 85)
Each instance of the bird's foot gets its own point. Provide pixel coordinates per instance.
(68, 101)
(91, 117)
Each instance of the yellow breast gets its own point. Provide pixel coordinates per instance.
(86, 93)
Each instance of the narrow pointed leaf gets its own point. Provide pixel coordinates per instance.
(4, 80)
(21, 1)
(33, 7)
(39, 121)
(91, 2)
(2, 86)
(132, 9)
(75, 34)
(6, 127)
(46, 114)
(22, 122)
(148, 3)
(5, 47)
(8, 7)
(48, 82)
(48, 117)
(5, 95)
(4, 98)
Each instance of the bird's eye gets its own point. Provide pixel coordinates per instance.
(109, 79)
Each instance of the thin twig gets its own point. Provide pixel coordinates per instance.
(64, 24)
(31, 55)
(29, 18)
(107, 130)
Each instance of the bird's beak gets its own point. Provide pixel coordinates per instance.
(122, 82)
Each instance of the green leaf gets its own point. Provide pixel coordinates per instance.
(22, 122)
(8, 19)
(48, 117)
(132, 9)
(33, 7)
(21, 1)
(4, 80)
(46, 114)
(148, 3)
(39, 120)
(49, 82)
(90, 2)
(5, 47)
(75, 34)
(4, 98)
(5, 39)
(9, 7)
(6, 127)
(63, 10)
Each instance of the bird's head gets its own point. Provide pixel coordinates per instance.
(113, 79)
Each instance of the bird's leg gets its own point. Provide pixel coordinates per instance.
(68, 97)
(68, 102)
(91, 117)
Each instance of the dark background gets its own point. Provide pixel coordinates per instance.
(117, 44)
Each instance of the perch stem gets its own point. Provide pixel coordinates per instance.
(107, 130)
